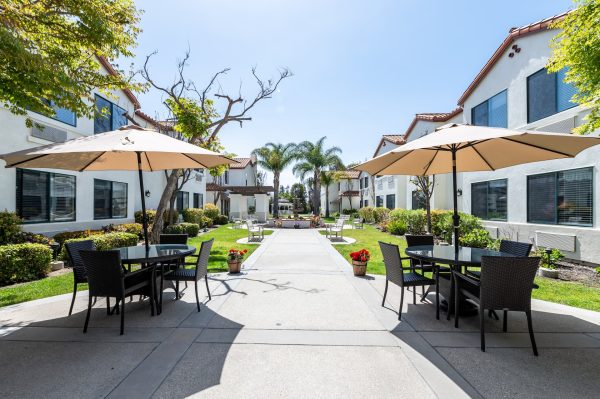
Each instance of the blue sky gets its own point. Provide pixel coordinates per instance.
(361, 68)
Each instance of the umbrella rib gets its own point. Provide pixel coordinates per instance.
(202, 165)
(27, 160)
(430, 162)
(92, 161)
(148, 160)
(482, 157)
(538, 147)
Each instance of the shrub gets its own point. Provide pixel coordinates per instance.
(478, 238)
(193, 215)
(150, 213)
(397, 227)
(351, 212)
(221, 219)
(207, 222)
(132, 228)
(105, 242)
(549, 260)
(367, 214)
(69, 235)
(211, 211)
(10, 226)
(32, 238)
(380, 214)
(436, 221)
(191, 229)
(467, 223)
(415, 220)
(24, 262)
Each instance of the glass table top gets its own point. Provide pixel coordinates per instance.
(155, 253)
(447, 254)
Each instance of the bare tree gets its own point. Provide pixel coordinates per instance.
(425, 186)
(196, 119)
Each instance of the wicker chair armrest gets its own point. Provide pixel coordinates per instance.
(467, 279)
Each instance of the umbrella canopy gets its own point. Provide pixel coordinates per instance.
(477, 148)
(129, 148)
(117, 150)
(466, 148)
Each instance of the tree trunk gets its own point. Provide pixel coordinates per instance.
(428, 210)
(276, 194)
(317, 194)
(170, 187)
(172, 208)
(327, 201)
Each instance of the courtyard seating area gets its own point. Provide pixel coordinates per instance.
(263, 322)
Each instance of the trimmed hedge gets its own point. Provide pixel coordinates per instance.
(367, 214)
(381, 214)
(69, 235)
(415, 221)
(193, 215)
(221, 219)
(478, 238)
(151, 214)
(211, 211)
(191, 229)
(105, 242)
(131, 228)
(24, 262)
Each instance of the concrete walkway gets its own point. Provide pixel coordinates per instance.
(295, 323)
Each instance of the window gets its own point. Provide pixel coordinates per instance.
(489, 199)
(61, 114)
(183, 200)
(109, 116)
(45, 197)
(564, 197)
(198, 200)
(390, 201)
(418, 200)
(391, 182)
(492, 112)
(226, 178)
(366, 184)
(110, 199)
(548, 94)
(379, 201)
(366, 203)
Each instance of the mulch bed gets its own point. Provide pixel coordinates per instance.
(568, 271)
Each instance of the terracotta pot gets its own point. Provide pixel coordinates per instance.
(360, 268)
(235, 266)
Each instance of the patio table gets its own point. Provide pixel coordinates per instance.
(154, 255)
(447, 255)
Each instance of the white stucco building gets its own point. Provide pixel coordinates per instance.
(52, 201)
(237, 193)
(343, 193)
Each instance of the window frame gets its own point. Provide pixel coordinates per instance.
(110, 119)
(487, 103)
(487, 211)
(387, 197)
(183, 195)
(556, 192)
(556, 107)
(48, 191)
(111, 211)
(54, 118)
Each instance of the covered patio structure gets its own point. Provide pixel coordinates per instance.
(234, 200)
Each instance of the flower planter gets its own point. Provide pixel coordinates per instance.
(360, 268)
(548, 273)
(234, 267)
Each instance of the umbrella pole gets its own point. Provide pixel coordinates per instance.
(456, 216)
(143, 195)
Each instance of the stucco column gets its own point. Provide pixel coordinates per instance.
(235, 204)
(262, 207)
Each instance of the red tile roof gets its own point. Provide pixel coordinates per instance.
(111, 70)
(513, 34)
(243, 162)
(349, 194)
(244, 190)
(431, 117)
(345, 174)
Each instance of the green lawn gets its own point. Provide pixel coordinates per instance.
(565, 292)
(225, 239)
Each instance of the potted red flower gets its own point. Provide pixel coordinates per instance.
(235, 258)
(359, 261)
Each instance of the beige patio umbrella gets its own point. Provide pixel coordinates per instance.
(456, 148)
(129, 148)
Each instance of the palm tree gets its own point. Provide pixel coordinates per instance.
(314, 159)
(275, 158)
(327, 178)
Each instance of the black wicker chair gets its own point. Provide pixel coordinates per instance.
(394, 272)
(173, 239)
(107, 278)
(200, 270)
(79, 273)
(506, 283)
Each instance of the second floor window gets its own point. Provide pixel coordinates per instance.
(226, 177)
(366, 184)
(488, 199)
(61, 114)
(548, 94)
(109, 116)
(492, 112)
